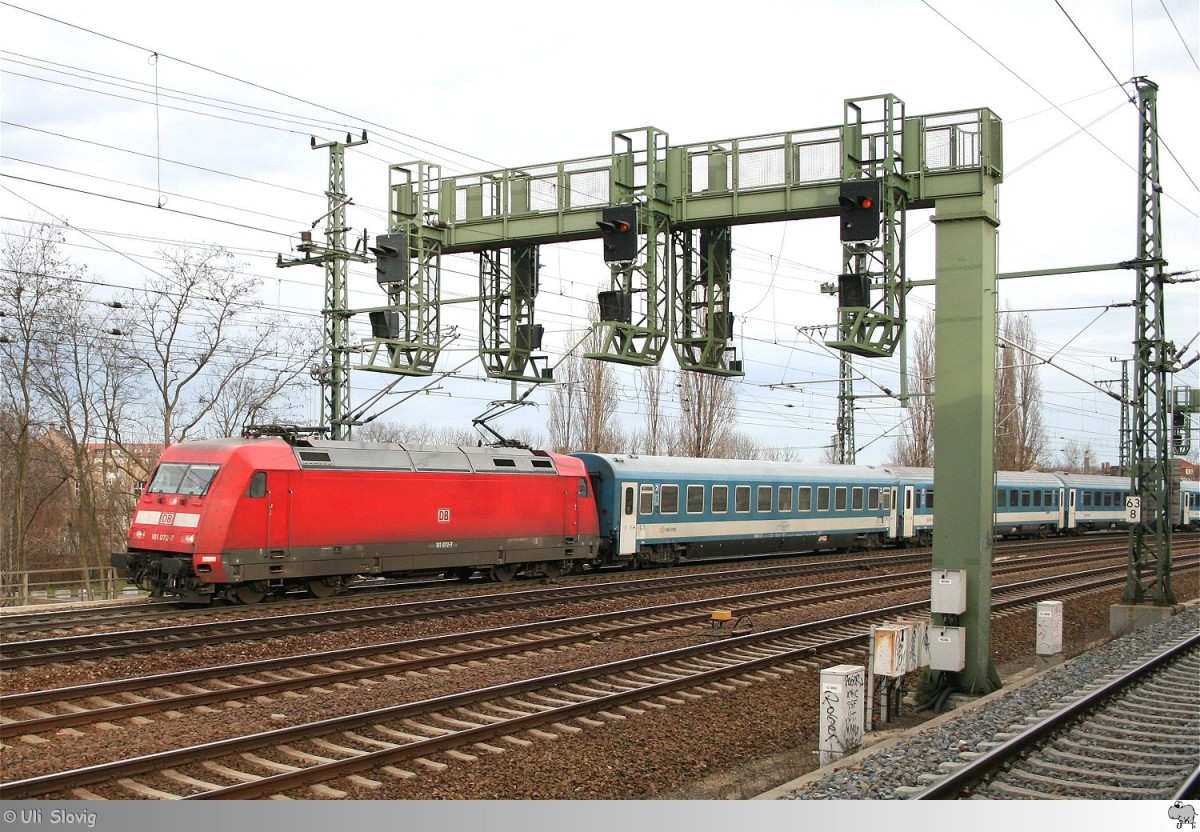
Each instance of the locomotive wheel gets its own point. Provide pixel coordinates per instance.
(463, 573)
(247, 593)
(553, 568)
(325, 587)
(504, 572)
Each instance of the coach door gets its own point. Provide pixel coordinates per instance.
(908, 517)
(1069, 508)
(627, 544)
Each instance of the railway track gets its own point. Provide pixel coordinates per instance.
(490, 720)
(98, 645)
(15, 626)
(94, 702)
(1135, 737)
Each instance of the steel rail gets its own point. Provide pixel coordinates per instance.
(976, 771)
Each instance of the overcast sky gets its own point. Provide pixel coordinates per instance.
(111, 109)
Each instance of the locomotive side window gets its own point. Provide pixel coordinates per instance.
(741, 498)
(785, 498)
(258, 485)
(583, 488)
(668, 500)
(764, 499)
(804, 498)
(695, 499)
(720, 499)
(182, 478)
(823, 498)
(856, 498)
(647, 502)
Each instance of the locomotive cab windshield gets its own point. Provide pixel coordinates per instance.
(190, 480)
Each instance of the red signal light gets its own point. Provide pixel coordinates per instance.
(865, 202)
(622, 226)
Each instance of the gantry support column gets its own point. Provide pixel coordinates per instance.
(964, 419)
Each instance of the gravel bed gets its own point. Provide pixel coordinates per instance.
(896, 771)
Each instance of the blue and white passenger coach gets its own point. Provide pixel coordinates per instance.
(664, 509)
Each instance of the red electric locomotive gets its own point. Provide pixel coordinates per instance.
(243, 518)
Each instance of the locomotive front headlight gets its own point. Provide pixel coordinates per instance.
(189, 538)
(139, 534)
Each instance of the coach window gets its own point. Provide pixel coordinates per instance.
(720, 499)
(872, 499)
(839, 498)
(628, 502)
(887, 499)
(1001, 499)
(804, 498)
(764, 499)
(1049, 498)
(1037, 498)
(1108, 498)
(258, 485)
(1014, 498)
(668, 500)
(856, 498)
(823, 498)
(1086, 499)
(741, 499)
(647, 502)
(785, 498)
(695, 499)
(1025, 499)
(929, 498)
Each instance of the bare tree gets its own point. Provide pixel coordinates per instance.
(35, 282)
(260, 395)
(191, 337)
(1020, 437)
(72, 379)
(1076, 458)
(657, 426)
(583, 405)
(708, 412)
(915, 446)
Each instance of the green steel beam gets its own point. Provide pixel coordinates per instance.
(873, 148)
(413, 200)
(768, 178)
(634, 325)
(703, 324)
(333, 375)
(508, 336)
(1153, 361)
(964, 419)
